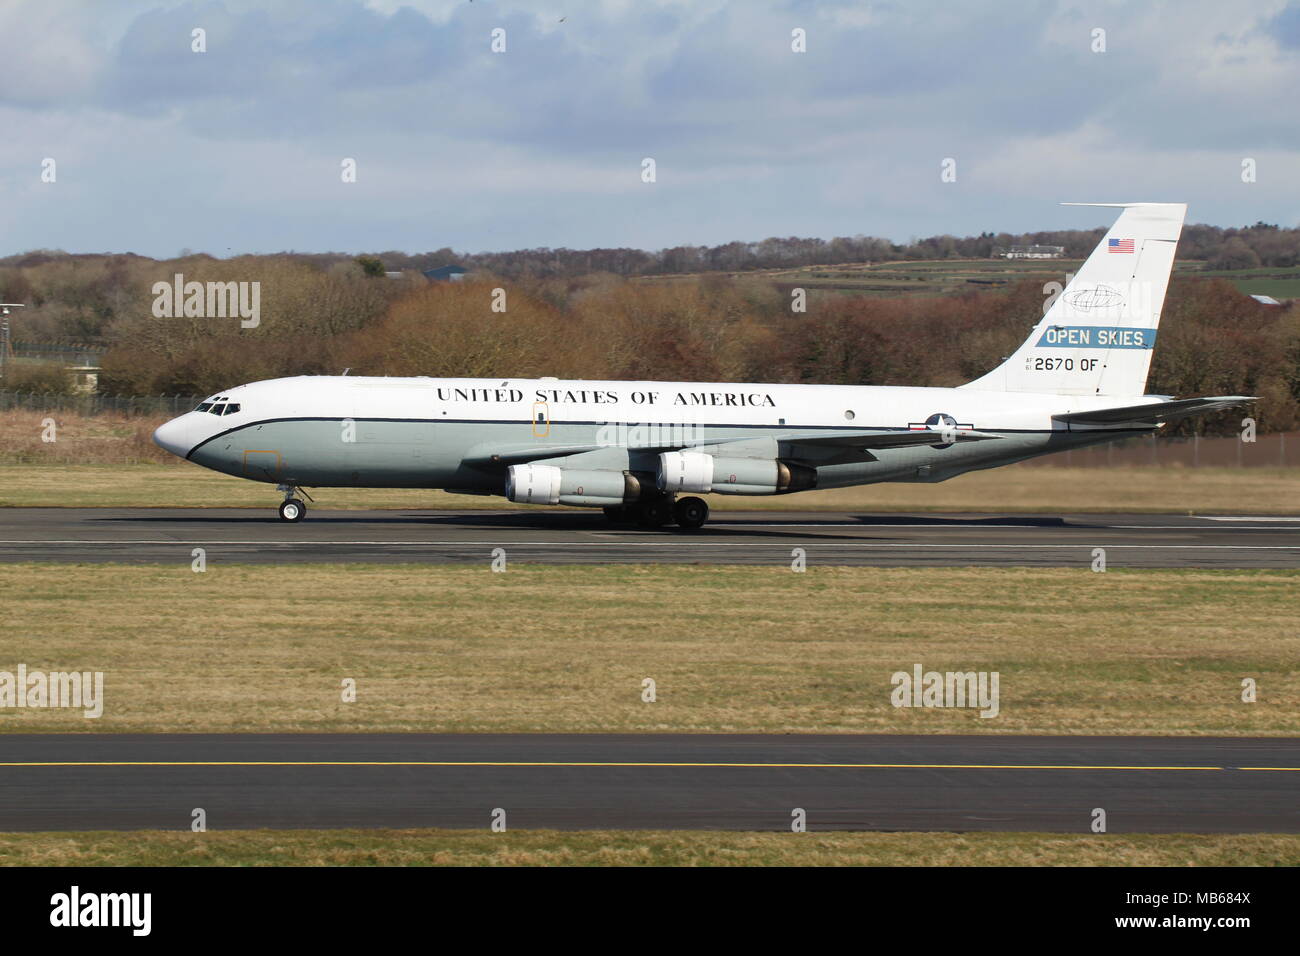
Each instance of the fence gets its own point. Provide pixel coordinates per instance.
(66, 354)
(1278, 450)
(92, 403)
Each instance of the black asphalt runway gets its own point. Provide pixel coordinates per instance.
(582, 537)
(740, 782)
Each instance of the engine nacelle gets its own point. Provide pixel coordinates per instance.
(699, 473)
(534, 484)
(597, 489)
(550, 485)
(685, 471)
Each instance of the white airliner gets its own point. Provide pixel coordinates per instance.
(633, 448)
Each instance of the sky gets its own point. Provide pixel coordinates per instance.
(241, 148)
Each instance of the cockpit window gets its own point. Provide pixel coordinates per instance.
(218, 405)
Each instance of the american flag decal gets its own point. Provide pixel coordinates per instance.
(1119, 245)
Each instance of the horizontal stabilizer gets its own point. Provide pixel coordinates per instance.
(1155, 412)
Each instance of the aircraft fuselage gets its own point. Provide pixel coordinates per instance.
(345, 431)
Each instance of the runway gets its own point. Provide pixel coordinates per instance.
(582, 537)
(734, 782)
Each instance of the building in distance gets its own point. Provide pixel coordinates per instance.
(452, 273)
(1029, 252)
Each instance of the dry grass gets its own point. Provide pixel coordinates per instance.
(1029, 488)
(107, 439)
(732, 649)
(1016, 488)
(638, 848)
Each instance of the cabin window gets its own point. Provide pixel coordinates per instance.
(218, 410)
(232, 408)
(203, 406)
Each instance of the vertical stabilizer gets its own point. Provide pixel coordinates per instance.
(1097, 337)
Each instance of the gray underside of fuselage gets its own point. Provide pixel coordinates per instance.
(432, 454)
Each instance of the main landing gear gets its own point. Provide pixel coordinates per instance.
(687, 513)
(691, 513)
(292, 509)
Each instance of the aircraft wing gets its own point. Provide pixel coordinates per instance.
(1155, 412)
(833, 448)
(486, 455)
(842, 449)
(877, 441)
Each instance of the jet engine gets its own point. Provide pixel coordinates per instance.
(700, 473)
(549, 485)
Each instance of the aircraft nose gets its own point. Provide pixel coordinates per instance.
(174, 436)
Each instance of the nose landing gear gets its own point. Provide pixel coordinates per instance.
(292, 509)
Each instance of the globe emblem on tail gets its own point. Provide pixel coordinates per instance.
(1095, 297)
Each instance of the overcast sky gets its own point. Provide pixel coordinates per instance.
(239, 149)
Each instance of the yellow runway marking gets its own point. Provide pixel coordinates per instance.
(613, 764)
(1268, 768)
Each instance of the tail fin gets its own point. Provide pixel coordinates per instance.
(1097, 337)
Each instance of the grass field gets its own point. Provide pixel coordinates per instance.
(1016, 488)
(637, 848)
(1278, 288)
(732, 649)
(1280, 283)
(952, 276)
(932, 277)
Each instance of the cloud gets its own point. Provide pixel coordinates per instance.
(240, 147)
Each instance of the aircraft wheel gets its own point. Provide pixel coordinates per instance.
(691, 513)
(291, 509)
(655, 513)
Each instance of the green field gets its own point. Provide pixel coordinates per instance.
(1277, 288)
(933, 277)
(952, 276)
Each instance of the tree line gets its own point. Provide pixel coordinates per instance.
(320, 317)
(1262, 245)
